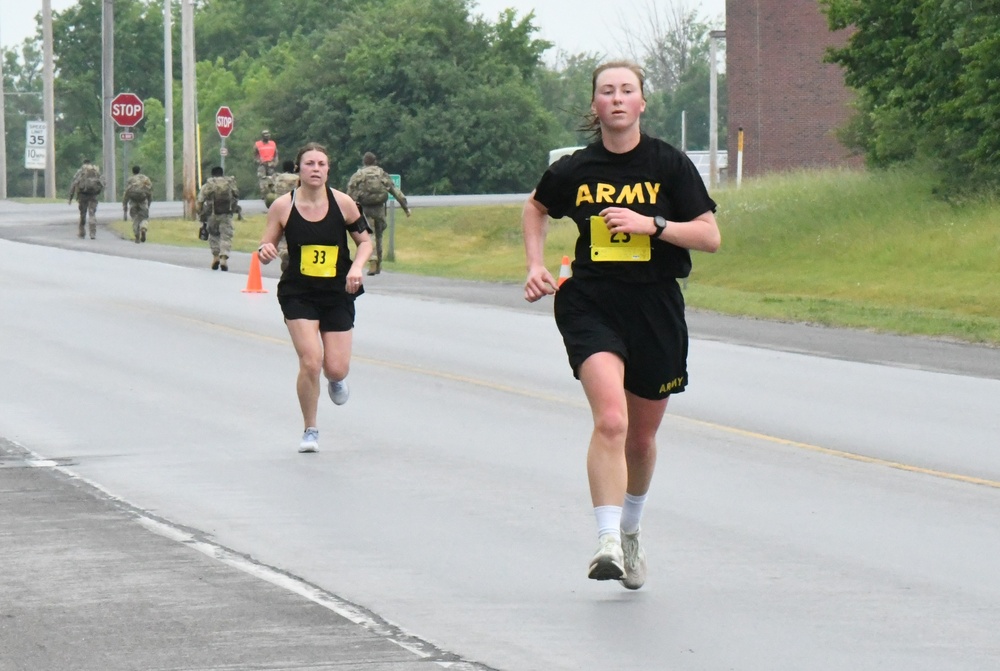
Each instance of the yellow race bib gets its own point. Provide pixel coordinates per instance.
(608, 246)
(319, 260)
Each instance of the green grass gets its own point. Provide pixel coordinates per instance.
(858, 249)
(870, 250)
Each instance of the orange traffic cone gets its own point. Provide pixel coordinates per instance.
(253, 279)
(564, 272)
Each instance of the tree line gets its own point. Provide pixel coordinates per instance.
(454, 101)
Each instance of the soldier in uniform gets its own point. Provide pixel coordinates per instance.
(283, 183)
(87, 184)
(265, 153)
(135, 202)
(370, 187)
(219, 198)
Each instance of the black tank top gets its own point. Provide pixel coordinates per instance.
(322, 240)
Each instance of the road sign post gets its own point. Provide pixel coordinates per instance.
(223, 124)
(127, 109)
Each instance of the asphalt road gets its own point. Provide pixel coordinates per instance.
(826, 499)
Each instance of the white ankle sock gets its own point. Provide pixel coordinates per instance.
(632, 512)
(608, 520)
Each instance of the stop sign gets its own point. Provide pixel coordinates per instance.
(224, 121)
(127, 109)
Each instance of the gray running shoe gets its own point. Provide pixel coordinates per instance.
(608, 562)
(635, 561)
(339, 393)
(310, 440)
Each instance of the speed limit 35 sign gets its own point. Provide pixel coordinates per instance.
(35, 145)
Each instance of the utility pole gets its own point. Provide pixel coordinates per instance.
(188, 105)
(713, 109)
(48, 100)
(684, 131)
(168, 95)
(108, 79)
(3, 138)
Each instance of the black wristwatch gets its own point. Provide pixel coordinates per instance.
(661, 225)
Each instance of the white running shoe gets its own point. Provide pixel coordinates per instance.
(310, 440)
(339, 392)
(635, 561)
(608, 562)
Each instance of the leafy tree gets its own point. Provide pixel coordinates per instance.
(22, 84)
(673, 46)
(76, 35)
(926, 75)
(978, 105)
(566, 94)
(455, 102)
(446, 100)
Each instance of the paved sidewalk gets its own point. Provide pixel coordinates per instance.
(85, 585)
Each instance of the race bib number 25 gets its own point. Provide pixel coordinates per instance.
(319, 260)
(608, 246)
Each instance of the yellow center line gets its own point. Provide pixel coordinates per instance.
(958, 477)
(718, 427)
(518, 391)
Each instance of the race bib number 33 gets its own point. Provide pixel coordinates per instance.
(319, 260)
(608, 246)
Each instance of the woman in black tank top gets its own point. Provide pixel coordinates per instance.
(317, 289)
(318, 257)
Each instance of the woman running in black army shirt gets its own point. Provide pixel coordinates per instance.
(640, 206)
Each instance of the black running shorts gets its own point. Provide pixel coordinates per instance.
(642, 323)
(334, 311)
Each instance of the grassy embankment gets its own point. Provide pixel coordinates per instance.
(863, 250)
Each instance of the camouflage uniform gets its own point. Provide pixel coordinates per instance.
(87, 184)
(212, 200)
(281, 184)
(372, 199)
(138, 196)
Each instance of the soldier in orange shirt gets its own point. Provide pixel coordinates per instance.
(265, 152)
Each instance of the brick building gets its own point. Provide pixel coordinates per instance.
(788, 101)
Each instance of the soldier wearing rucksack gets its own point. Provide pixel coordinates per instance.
(219, 200)
(278, 185)
(87, 184)
(136, 200)
(370, 187)
(281, 183)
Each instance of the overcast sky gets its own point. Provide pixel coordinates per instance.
(601, 26)
(574, 26)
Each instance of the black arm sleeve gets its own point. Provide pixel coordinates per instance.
(359, 225)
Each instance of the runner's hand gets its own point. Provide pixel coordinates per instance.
(540, 283)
